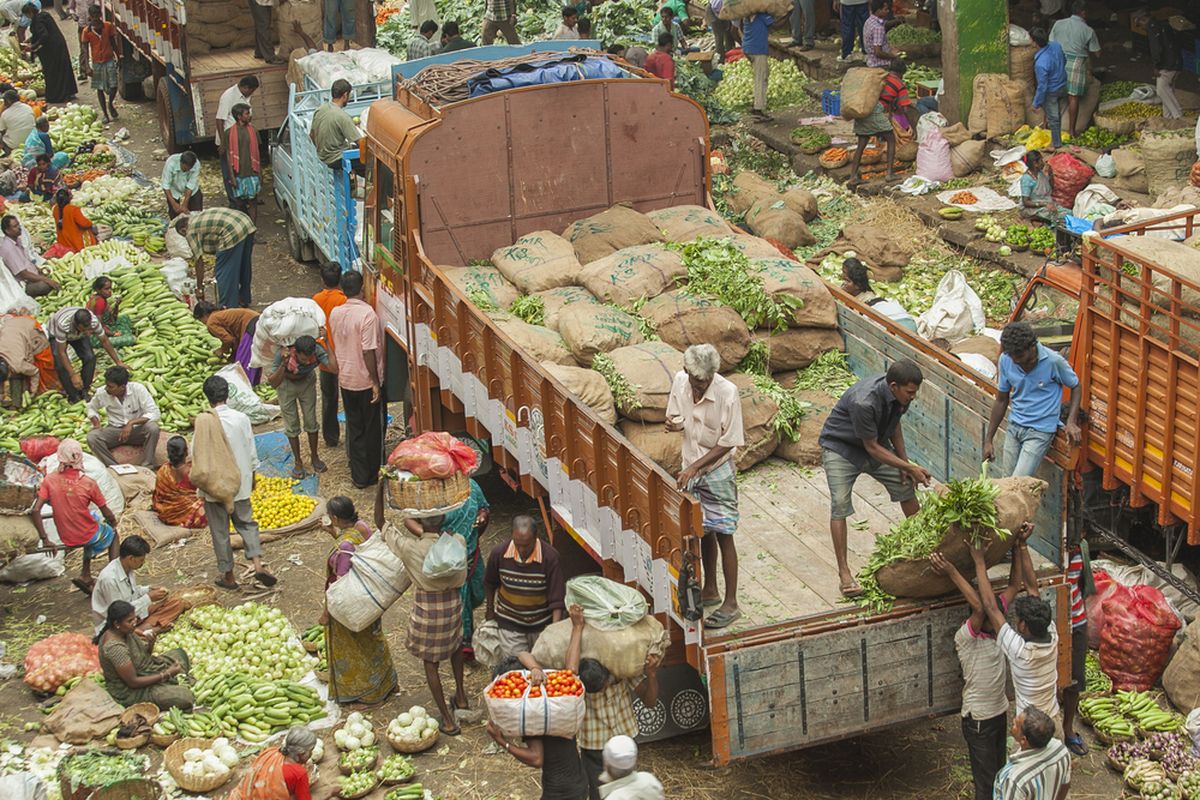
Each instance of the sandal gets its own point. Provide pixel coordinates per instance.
(224, 584)
(711, 602)
(722, 619)
(1075, 745)
(266, 578)
(83, 585)
(455, 731)
(298, 474)
(850, 591)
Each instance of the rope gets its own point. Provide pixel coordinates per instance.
(442, 84)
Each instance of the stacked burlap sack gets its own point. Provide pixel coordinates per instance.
(610, 286)
(218, 25)
(1002, 103)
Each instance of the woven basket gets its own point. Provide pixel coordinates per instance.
(1120, 126)
(164, 741)
(137, 789)
(871, 155)
(195, 596)
(429, 496)
(833, 162)
(1113, 764)
(413, 747)
(133, 742)
(363, 793)
(347, 770)
(311, 647)
(322, 675)
(173, 761)
(147, 711)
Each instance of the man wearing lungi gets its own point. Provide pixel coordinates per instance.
(707, 408)
(1078, 42)
(862, 435)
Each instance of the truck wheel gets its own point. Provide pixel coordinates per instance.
(166, 120)
(295, 239)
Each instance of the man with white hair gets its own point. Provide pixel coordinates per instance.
(621, 778)
(707, 408)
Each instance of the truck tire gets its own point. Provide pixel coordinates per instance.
(295, 239)
(166, 119)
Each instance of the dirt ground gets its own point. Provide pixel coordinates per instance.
(924, 760)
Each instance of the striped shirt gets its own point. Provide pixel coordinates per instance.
(894, 95)
(527, 592)
(1034, 668)
(61, 326)
(1035, 774)
(1074, 579)
(215, 229)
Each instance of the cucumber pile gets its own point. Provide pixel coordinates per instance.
(252, 709)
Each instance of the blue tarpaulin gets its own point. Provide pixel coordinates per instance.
(275, 460)
(555, 70)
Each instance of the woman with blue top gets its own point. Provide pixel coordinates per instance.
(470, 521)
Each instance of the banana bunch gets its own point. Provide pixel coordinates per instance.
(1105, 716)
(1145, 713)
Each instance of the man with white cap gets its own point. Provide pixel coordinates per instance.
(621, 779)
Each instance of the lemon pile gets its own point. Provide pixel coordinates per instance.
(276, 505)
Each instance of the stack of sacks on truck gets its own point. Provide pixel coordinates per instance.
(218, 25)
(606, 310)
(774, 215)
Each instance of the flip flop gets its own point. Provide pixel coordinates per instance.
(83, 586)
(710, 603)
(266, 579)
(722, 619)
(850, 592)
(1075, 745)
(221, 582)
(455, 731)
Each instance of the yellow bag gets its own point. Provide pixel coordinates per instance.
(1038, 139)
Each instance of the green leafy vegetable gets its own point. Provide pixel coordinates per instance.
(529, 308)
(691, 80)
(829, 373)
(482, 300)
(717, 269)
(624, 393)
(785, 86)
(1117, 90)
(905, 34)
(757, 359)
(791, 408)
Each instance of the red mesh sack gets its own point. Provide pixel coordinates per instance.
(1068, 176)
(1139, 626)
(36, 448)
(56, 659)
(51, 675)
(436, 454)
(1105, 586)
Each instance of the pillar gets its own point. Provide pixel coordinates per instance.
(974, 41)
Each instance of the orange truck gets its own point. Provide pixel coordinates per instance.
(451, 182)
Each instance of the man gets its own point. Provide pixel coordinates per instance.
(155, 610)
(181, 184)
(236, 427)
(16, 121)
(566, 28)
(17, 259)
(76, 326)
(1041, 770)
(875, 43)
(1031, 647)
(131, 418)
(357, 335)
(621, 779)
(755, 46)
(525, 587)
(1167, 61)
(238, 93)
(229, 234)
(99, 41)
(500, 16)
(1050, 72)
(38, 143)
(423, 45)
(328, 299)
(660, 63)
(804, 11)
(883, 123)
(452, 39)
(1078, 41)
(722, 28)
(71, 494)
(245, 166)
(863, 435)
(264, 49)
(333, 130)
(335, 12)
(854, 15)
(856, 281)
(667, 23)
(706, 407)
(22, 343)
(294, 376)
(1032, 378)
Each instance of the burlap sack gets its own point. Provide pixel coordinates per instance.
(803, 202)
(682, 320)
(542, 344)
(758, 409)
(1181, 679)
(649, 368)
(308, 14)
(985, 346)
(782, 276)
(588, 385)
(622, 652)
(630, 274)
(589, 329)
(740, 9)
(997, 105)
(538, 261)
(1088, 104)
(967, 157)
(883, 248)
(485, 281)
(214, 469)
(656, 443)
(603, 234)
(1169, 256)
(860, 91)
(955, 134)
(772, 219)
(1168, 160)
(85, 713)
(1127, 162)
(796, 348)
(686, 223)
(748, 189)
(1020, 63)
(1017, 504)
(555, 300)
(805, 451)
(754, 246)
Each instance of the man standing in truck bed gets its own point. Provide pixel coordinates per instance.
(333, 130)
(863, 435)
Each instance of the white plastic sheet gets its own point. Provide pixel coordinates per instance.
(986, 199)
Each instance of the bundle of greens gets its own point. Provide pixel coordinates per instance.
(616, 20)
(529, 308)
(718, 270)
(1116, 90)
(829, 373)
(691, 81)
(786, 421)
(905, 35)
(624, 393)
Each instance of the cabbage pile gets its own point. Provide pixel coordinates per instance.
(785, 86)
(250, 638)
(413, 726)
(213, 762)
(356, 733)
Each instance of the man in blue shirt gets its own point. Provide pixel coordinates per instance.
(754, 45)
(1050, 69)
(1032, 377)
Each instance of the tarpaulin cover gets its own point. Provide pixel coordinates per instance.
(558, 70)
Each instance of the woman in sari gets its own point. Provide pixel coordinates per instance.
(360, 664)
(47, 42)
(175, 499)
(470, 521)
(132, 673)
(1037, 200)
(278, 773)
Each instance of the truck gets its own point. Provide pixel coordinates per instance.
(452, 182)
(188, 85)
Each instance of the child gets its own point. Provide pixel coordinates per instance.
(118, 327)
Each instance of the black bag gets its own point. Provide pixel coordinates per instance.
(690, 606)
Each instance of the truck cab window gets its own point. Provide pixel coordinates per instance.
(1052, 313)
(385, 198)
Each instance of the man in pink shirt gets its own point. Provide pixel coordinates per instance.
(358, 337)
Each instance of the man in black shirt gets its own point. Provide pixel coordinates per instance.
(863, 435)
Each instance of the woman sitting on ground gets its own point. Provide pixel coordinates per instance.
(132, 673)
(74, 230)
(278, 773)
(175, 499)
(1037, 200)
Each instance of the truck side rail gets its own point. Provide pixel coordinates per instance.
(1181, 224)
(154, 30)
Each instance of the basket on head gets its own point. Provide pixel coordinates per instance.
(173, 761)
(420, 746)
(424, 498)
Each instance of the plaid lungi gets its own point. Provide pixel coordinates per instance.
(717, 492)
(104, 76)
(1077, 75)
(435, 628)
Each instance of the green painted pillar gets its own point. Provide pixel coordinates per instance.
(974, 41)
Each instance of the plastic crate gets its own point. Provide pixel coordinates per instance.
(831, 102)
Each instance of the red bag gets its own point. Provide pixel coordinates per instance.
(1105, 586)
(1139, 627)
(436, 454)
(1068, 176)
(57, 251)
(36, 448)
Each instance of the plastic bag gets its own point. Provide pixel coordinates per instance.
(36, 448)
(243, 398)
(56, 659)
(375, 581)
(521, 717)
(1095, 194)
(94, 469)
(916, 185)
(1106, 167)
(281, 324)
(177, 244)
(931, 120)
(175, 272)
(1139, 627)
(486, 643)
(447, 556)
(1192, 726)
(13, 299)
(956, 313)
(1038, 139)
(607, 605)
(933, 158)
(435, 454)
(1068, 176)
(22, 786)
(1018, 36)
